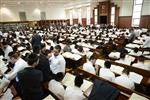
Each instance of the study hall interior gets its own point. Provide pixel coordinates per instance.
(74, 49)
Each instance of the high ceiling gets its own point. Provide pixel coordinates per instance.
(14, 2)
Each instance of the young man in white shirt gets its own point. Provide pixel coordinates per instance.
(19, 64)
(89, 65)
(75, 93)
(7, 49)
(124, 80)
(106, 73)
(146, 43)
(57, 61)
(56, 87)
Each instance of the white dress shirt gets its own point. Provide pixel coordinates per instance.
(7, 50)
(57, 88)
(57, 64)
(107, 74)
(73, 93)
(125, 81)
(19, 65)
(89, 67)
(147, 42)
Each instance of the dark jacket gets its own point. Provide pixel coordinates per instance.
(44, 66)
(30, 81)
(103, 91)
(36, 40)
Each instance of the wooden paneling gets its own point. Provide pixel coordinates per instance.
(125, 21)
(145, 21)
(75, 21)
(117, 16)
(84, 21)
(103, 8)
(92, 20)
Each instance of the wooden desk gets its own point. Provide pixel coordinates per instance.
(72, 63)
(121, 88)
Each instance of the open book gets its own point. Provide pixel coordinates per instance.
(68, 80)
(3, 66)
(116, 69)
(137, 78)
(49, 97)
(132, 45)
(135, 96)
(71, 56)
(100, 62)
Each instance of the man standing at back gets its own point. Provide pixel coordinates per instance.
(36, 40)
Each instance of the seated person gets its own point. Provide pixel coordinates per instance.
(56, 87)
(135, 52)
(89, 65)
(7, 49)
(75, 50)
(146, 43)
(75, 93)
(124, 80)
(67, 47)
(106, 73)
(30, 80)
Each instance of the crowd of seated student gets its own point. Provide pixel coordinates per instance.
(44, 41)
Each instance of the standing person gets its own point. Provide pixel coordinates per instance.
(30, 80)
(36, 40)
(43, 64)
(57, 61)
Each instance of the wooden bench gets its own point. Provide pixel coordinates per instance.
(122, 96)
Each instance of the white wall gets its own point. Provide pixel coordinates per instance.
(146, 7)
(126, 7)
(11, 12)
(83, 10)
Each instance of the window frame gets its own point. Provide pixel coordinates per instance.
(134, 11)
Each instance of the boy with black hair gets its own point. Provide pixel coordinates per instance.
(106, 73)
(75, 93)
(124, 80)
(55, 85)
(30, 74)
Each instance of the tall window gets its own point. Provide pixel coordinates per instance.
(112, 16)
(71, 16)
(137, 8)
(88, 18)
(79, 16)
(95, 16)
